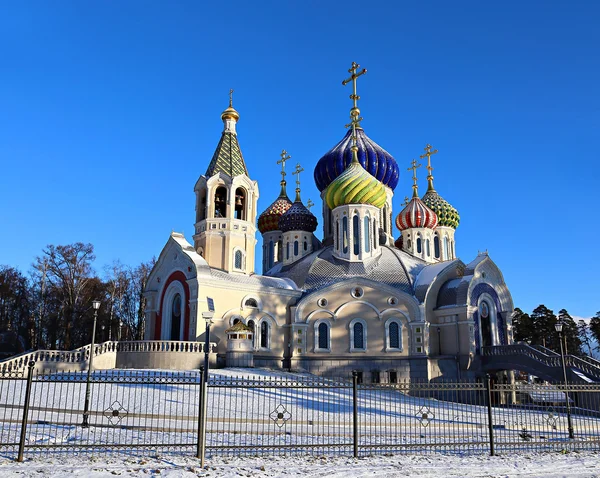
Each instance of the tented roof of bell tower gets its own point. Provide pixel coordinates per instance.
(228, 157)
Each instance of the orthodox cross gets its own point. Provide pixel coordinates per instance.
(405, 201)
(354, 112)
(284, 157)
(297, 172)
(231, 98)
(414, 168)
(309, 204)
(428, 154)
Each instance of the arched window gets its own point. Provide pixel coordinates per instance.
(271, 253)
(358, 340)
(251, 303)
(419, 245)
(176, 318)
(446, 254)
(394, 335)
(409, 244)
(279, 250)
(427, 248)
(385, 218)
(355, 235)
(202, 205)
(240, 204)
(345, 233)
(287, 250)
(323, 333)
(367, 235)
(295, 248)
(375, 235)
(252, 325)
(436, 246)
(238, 260)
(221, 202)
(337, 235)
(264, 334)
(305, 246)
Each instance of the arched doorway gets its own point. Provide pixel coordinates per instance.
(485, 322)
(175, 332)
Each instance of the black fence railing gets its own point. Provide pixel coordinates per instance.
(148, 412)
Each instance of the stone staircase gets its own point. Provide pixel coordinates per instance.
(541, 362)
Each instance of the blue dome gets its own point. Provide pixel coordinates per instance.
(298, 218)
(376, 160)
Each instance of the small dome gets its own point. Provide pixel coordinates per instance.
(416, 214)
(298, 218)
(372, 157)
(230, 112)
(269, 220)
(355, 186)
(446, 213)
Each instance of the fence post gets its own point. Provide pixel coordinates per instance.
(488, 389)
(200, 410)
(355, 411)
(25, 410)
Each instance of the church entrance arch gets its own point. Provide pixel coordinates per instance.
(488, 324)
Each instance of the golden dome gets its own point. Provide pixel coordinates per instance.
(230, 113)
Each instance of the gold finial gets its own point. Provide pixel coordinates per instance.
(284, 157)
(414, 168)
(309, 204)
(354, 111)
(406, 201)
(428, 154)
(297, 172)
(231, 98)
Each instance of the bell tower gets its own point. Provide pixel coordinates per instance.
(226, 202)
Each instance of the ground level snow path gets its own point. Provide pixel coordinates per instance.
(550, 465)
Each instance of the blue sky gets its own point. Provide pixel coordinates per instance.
(110, 111)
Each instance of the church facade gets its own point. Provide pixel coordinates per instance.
(358, 298)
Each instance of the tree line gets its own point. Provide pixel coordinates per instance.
(538, 328)
(51, 306)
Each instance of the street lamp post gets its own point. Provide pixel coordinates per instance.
(86, 406)
(559, 328)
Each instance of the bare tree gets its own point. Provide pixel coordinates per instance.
(68, 270)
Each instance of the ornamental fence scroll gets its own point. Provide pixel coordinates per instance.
(148, 412)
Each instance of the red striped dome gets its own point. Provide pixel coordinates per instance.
(416, 214)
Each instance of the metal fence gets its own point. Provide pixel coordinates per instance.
(149, 412)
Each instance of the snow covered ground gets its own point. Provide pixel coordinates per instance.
(555, 465)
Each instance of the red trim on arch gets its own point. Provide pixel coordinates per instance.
(179, 277)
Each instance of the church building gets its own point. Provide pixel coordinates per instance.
(358, 297)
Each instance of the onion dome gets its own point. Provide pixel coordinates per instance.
(446, 213)
(298, 218)
(372, 157)
(416, 214)
(355, 186)
(269, 220)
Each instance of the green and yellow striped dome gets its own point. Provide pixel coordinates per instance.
(446, 213)
(355, 186)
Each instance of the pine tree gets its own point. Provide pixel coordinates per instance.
(595, 328)
(587, 339)
(544, 332)
(522, 326)
(572, 342)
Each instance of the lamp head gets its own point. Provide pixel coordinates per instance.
(558, 327)
(96, 304)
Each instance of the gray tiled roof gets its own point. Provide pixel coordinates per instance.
(321, 269)
(454, 292)
(257, 280)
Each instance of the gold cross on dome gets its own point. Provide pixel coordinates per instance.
(414, 168)
(297, 172)
(231, 98)
(428, 154)
(284, 157)
(354, 112)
